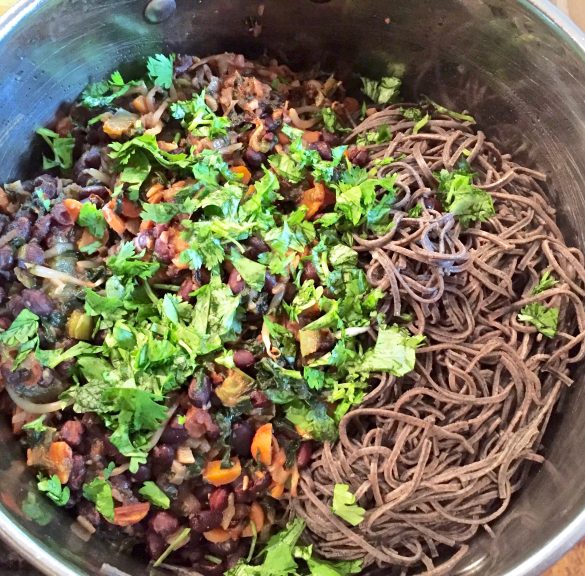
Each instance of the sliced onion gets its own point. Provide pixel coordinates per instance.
(81, 531)
(353, 331)
(109, 570)
(58, 249)
(33, 408)
(270, 350)
(98, 175)
(299, 122)
(156, 436)
(120, 470)
(51, 274)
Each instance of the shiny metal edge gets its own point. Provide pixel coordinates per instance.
(46, 562)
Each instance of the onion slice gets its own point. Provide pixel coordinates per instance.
(33, 408)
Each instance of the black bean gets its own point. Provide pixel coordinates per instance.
(98, 190)
(162, 457)
(174, 433)
(241, 438)
(6, 258)
(89, 159)
(200, 390)
(61, 216)
(256, 246)
(358, 156)
(269, 282)
(254, 159)
(202, 492)
(88, 511)
(15, 305)
(218, 499)
(330, 138)
(304, 455)
(206, 520)
(309, 272)
(323, 149)
(23, 226)
(31, 253)
(223, 549)
(244, 359)
(48, 184)
(290, 292)
(242, 511)
(258, 399)
(41, 228)
(78, 471)
(235, 282)
(38, 302)
(163, 250)
(4, 221)
(163, 524)
(155, 544)
(72, 432)
(142, 474)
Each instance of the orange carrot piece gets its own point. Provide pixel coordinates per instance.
(114, 221)
(140, 104)
(311, 136)
(85, 239)
(244, 172)
(154, 190)
(218, 535)
(60, 460)
(172, 191)
(218, 476)
(73, 208)
(130, 209)
(130, 514)
(316, 199)
(146, 225)
(277, 490)
(257, 518)
(262, 445)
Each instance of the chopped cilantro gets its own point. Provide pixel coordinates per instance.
(198, 118)
(155, 495)
(53, 489)
(62, 149)
(92, 219)
(160, 70)
(382, 91)
(99, 492)
(344, 505)
(543, 318)
(546, 282)
(23, 327)
(454, 115)
(101, 94)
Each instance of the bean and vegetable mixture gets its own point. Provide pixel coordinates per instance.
(224, 267)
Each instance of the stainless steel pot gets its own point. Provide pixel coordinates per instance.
(519, 65)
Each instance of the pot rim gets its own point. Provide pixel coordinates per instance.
(45, 561)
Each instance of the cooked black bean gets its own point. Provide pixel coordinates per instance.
(235, 282)
(78, 472)
(2, 296)
(433, 203)
(206, 520)
(164, 524)
(4, 221)
(223, 549)
(155, 544)
(72, 432)
(241, 438)
(61, 216)
(254, 159)
(88, 511)
(37, 301)
(358, 156)
(98, 190)
(89, 159)
(41, 228)
(304, 455)
(269, 282)
(161, 458)
(48, 184)
(142, 474)
(174, 433)
(6, 258)
(255, 247)
(31, 253)
(323, 149)
(218, 499)
(23, 226)
(199, 391)
(243, 359)
(309, 272)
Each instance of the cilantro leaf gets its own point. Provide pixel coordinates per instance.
(99, 492)
(53, 489)
(198, 118)
(253, 273)
(160, 213)
(92, 219)
(543, 318)
(101, 94)
(382, 91)
(546, 282)
(155, 495)
(37, 509)
(319, 567)
(344, 505)
(461, 198)
(394, 352)
(456, 115)
(37, 425)
(420, 124)
(52, 358)
(62, 149)
(160, 70)
(312, 420)
(128, 263)
(23, 328)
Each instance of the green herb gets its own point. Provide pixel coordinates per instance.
(37, 425)
(92, 219)
(37, 509)
(62, 150)
(160, 70)
(380, 135)
(331, 121)
(543, 318)
(382, 91)
(461, 198)
(198, 118)
(414, 114)
(128, 263)
(52, 358)
(23, 327)
(101, 94)
(416, 211)
(344, 505)
(180, 540)
(253, 273)
(454, 115)
(53, 489)
(546, 282)
(313, 420)
(420, 124)
(154, 495)
(99, 492)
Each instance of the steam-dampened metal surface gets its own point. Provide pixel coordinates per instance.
(521, 74)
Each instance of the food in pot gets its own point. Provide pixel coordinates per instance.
(253, 325)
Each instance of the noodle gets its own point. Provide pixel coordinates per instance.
(438, 454)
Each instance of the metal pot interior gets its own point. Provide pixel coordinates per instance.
(516, 64)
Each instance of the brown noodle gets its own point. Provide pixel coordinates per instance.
(438, 454)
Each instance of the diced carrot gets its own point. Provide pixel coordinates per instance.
(218, 476)
(167, 146)
(178, 264)
(179, 242)
(155, 193)
(311, 136)
(130, 514)
(257, 518)
(140, 104)
(262, 445)
(277, 490)
(85, 239)
(217, 535)
(146, 225)
(114, 221)
(316, 199)
(73, 208)
(130, 209)
(244, 172)
(294, 481)
(133, 225)
(60, 460)
(172, 191)
(283, 138)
